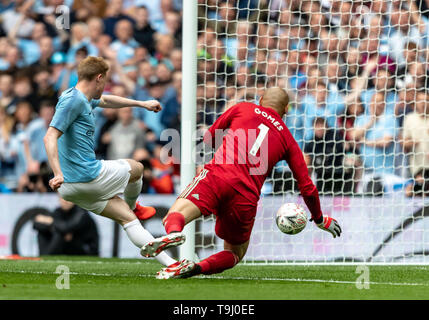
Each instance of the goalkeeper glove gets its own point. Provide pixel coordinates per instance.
(330, 225)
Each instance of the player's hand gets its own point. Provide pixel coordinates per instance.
(152, 105)
(56, 182)
(330, 225)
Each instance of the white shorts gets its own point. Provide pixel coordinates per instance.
(94, 195)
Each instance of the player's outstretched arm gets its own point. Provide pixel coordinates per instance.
(309, 192)
(51, 145)
(112, 101)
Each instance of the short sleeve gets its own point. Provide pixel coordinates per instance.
(66, 112)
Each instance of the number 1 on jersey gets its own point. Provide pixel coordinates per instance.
(261, 136)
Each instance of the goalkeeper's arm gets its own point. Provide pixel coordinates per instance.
(308, 190)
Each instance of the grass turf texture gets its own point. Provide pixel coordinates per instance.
(97, 278)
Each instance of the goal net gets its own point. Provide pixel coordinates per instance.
(356, 75)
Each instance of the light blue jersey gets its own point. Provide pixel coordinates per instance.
(74, 117)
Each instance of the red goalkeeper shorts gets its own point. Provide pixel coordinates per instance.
(235, 214)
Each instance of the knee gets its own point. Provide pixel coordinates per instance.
(240, 255)
(140, 168)
(238, 250)
(136, 171)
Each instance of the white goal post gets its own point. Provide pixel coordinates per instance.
(188, 112)
(357, 71)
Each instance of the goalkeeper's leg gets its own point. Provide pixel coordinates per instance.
(216, 263)
(226, 259)
(119, 211)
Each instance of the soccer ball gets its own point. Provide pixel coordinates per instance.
(291, 218)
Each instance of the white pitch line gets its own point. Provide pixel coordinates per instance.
(417, 265)
(88, 261)
(227, 278)
(316, 280)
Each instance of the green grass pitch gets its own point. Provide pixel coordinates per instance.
(98, 278)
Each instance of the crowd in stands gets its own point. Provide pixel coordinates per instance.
(41, 44)
(356, 73)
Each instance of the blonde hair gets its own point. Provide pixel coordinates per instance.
(90, 67)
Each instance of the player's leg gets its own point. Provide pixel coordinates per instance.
(221, 261)
(234, 224)
(133, 190)
(216, 263)
(181, 213)
(198, 198)
(119, 211)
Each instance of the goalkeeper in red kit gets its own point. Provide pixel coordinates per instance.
(229, 186)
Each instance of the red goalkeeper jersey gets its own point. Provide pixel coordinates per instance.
(250, 140)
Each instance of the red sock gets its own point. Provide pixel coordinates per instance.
(175, 222)
(218, 262)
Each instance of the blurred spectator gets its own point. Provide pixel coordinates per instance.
(95, 30)
(9, 149)
(376, 132)
(18, 19)
(172, 25)
(325, 155)
(124, 136)
(24, 90)
(44, 89)
(7, 97)
(79, 38)
(331, 104)
(70, 230)
(415, 135)
(383, 81)
(38, 172)
(154, 10)
(296, 77)
(12, 59)
(405, 103)
(125, 44)
(238, 42)
(108, 119)
(404, 31)
(162, 172)
(419, 186)
(143, 32)
(164, 44)
(176, 59)
(114, 13)
(90, 8)
(68, 77)
(332, 57)
(171, 114)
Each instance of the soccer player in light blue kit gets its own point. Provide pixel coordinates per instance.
(78, 176)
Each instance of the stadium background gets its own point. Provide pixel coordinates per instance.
(344, 55)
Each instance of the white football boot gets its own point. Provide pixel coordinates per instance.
(180, 269)
(156, 246)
